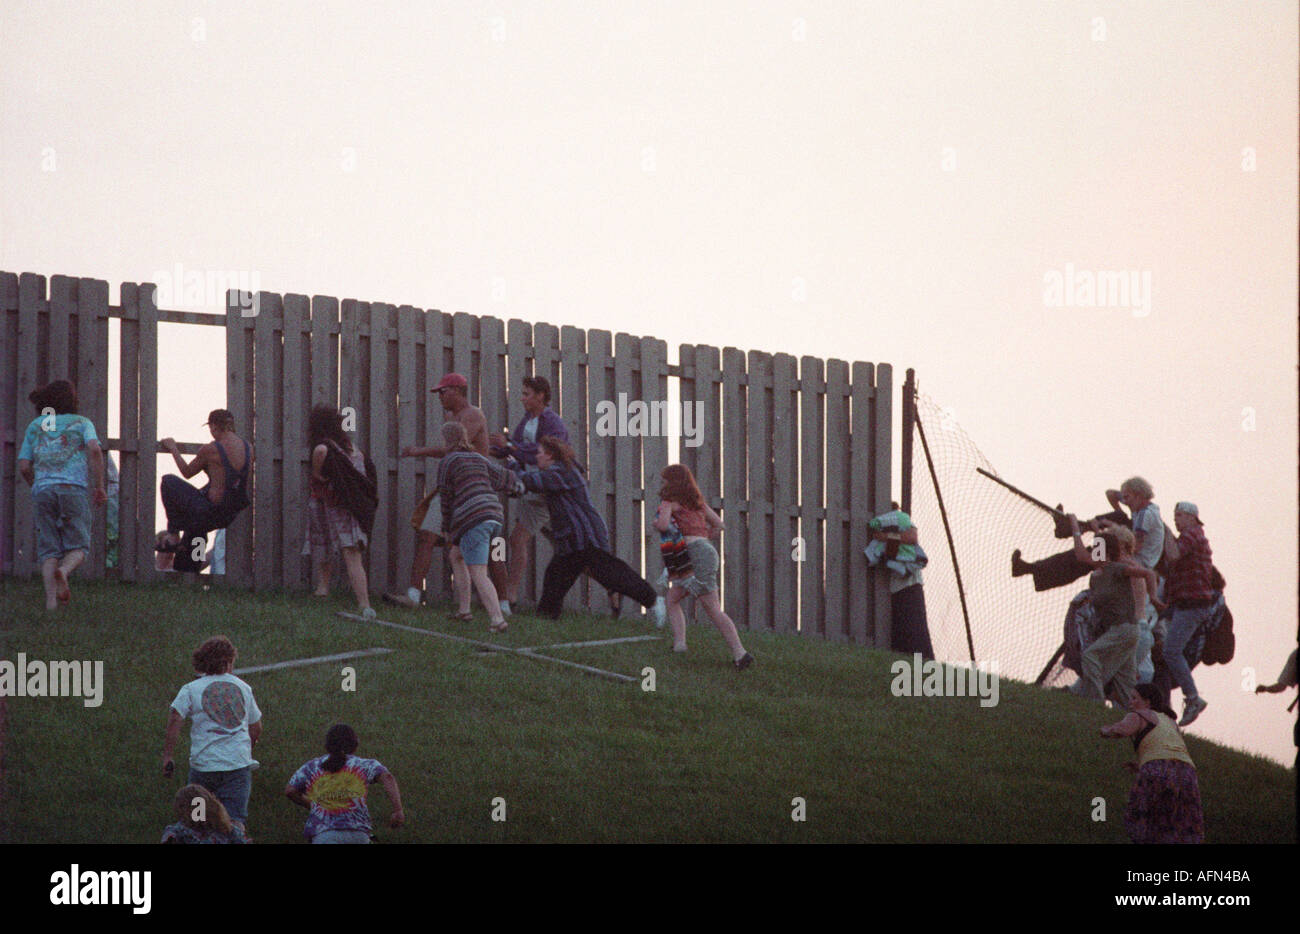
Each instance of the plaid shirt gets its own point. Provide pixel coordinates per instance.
(1190, 578)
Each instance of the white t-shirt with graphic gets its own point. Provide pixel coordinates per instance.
(221, 708)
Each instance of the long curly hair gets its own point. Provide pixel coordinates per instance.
(679, 487)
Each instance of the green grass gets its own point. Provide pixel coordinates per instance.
(711, 755)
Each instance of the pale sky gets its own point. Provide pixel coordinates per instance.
(870, 181)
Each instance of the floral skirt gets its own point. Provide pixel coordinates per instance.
(1165, 804)
(330, 528)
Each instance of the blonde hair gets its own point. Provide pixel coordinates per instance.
(216, 816)
(1139, 486)
(1124, 540)
(454, 436)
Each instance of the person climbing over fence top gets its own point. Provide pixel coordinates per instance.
(1112, 655)
(1191, 594)
(1148, 527)
(895, 544)
(193, 513)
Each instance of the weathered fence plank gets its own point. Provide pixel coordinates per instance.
(881, 484)
(12, 426)
(572, 388)
(92, 392)
(626, 533)
(31, 298)
(380, 414)
(862, 607)
(146, 362)
(735, 517)
(838, 475)
(297, 383)
(812, 524)
(239, 401)
(758, 423)
(788, 551)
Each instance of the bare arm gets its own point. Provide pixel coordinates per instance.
(395, 795)
(174, 721)
(255, 731)
(25, 468)
(1080, 551)
(1126, 727)
(714, 520)
(99, 494)
(664, 517)
(1112, 497)
(297, 797)
(318, 462)
(200, 461)
(475, 429)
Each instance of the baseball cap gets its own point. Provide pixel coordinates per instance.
(220, 417)
(1191, 510)
(451, 380)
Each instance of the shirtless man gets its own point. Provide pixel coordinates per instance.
(453, 392)
(193, 513)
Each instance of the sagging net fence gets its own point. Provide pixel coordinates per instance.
(1010, 623)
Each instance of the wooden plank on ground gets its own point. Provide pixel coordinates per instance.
(812, 451)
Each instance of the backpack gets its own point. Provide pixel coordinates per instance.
(357, 493)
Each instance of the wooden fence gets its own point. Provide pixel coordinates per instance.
(796, 453)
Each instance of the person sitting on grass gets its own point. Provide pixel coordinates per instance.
(1115, 597)
(226, 725)
(1165, 803)
(333, 789)
(59, 456)
(201, 818)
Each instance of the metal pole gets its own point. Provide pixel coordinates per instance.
(947, 530)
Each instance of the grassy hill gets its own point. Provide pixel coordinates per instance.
(710, 755)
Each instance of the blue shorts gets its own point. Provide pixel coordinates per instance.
(476, 543)
(62, 514)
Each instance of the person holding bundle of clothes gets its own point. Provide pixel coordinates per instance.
(682, 505)
(895, 544)
(1165, 803)
(341, 506)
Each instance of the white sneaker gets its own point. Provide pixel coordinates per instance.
(368, 613)
(1192, 709)
(505, 608)
(414, 595)
(661, 612)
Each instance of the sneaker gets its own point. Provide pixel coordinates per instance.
(1019, 567)
(368, 613)
(744, 662)
(505, 608)
(1192, 709)
(660, 612)
(1062, 524)
(400, 599)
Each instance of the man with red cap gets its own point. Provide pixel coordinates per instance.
(453, 390)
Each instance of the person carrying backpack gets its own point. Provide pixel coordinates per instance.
(341, 504)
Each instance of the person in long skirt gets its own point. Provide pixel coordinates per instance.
(1165, 803)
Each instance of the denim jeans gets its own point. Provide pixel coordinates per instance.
(231, 788)
(1181, 629)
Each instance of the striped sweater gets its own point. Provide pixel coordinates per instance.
(468, 484)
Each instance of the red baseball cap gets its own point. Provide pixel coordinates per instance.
(451, 380)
